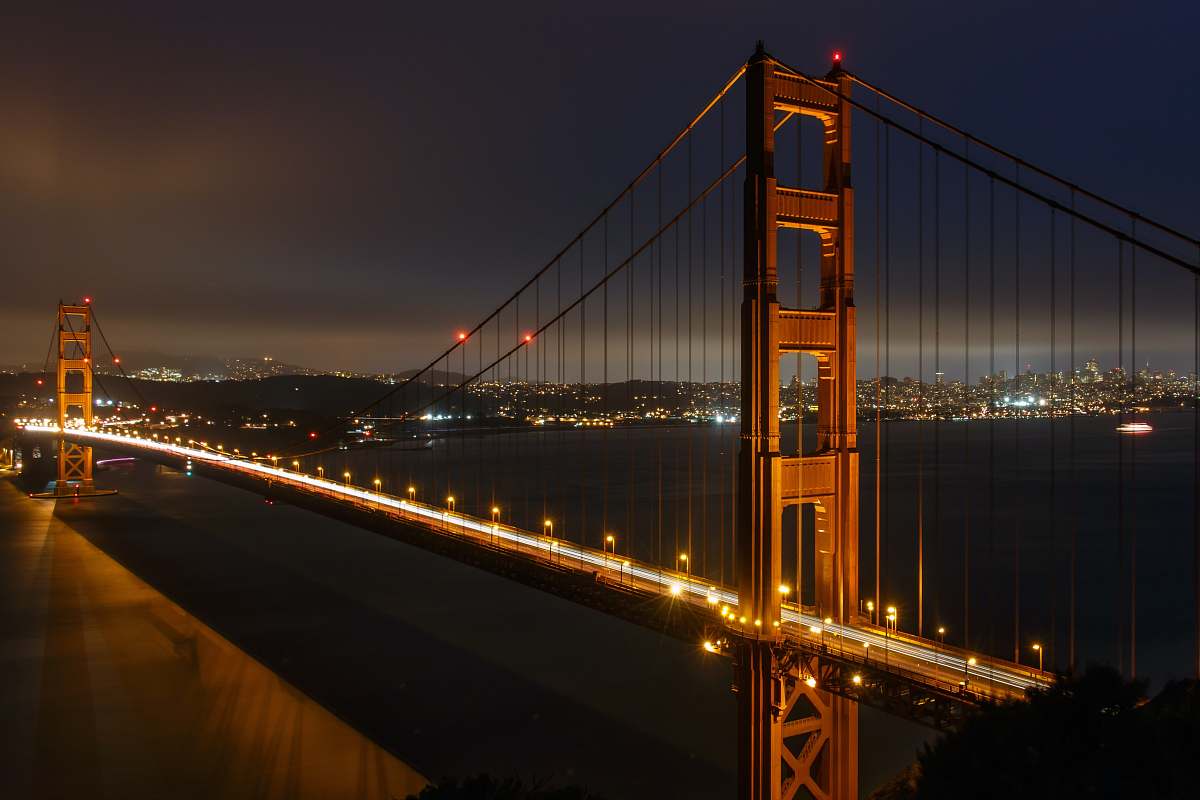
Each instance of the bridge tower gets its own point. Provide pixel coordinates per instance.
(74, 368)
(792, 734)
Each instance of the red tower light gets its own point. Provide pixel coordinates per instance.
(462, 337)
(528, 338)
(40, 381)
(153, 409)
(116, 359)
(87, 301)
(312, 434)
(837, 56)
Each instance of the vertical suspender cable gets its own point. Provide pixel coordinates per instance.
(992, 391)
(966, 563)
(658, 525)
(706, 418)
(678, 391)
(1074, 484)
(560, 387)
(721, 431)
(1053, 444)
(691, 388)
(878, 383)
(887, 362)
(921, 410)
(1133, 282)
(607, 406)
(1017, 426)
(630, 490)
(939, 383)
(584, 396)
(1120, 605)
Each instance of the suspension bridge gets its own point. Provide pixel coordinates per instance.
(613, 431)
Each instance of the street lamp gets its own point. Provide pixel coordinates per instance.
(450, 502)
(378, 483)
(495, 513)
(296, 465)
(969, 663)
(937, 653)
(871, 611)
(412, 493)
(346, 475)
(1038, 649)
(548, 527)
(784, 589)
(686, 566)
(320, 472)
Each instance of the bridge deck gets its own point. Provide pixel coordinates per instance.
(866, 656)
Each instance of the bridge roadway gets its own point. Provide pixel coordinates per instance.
(936, 680)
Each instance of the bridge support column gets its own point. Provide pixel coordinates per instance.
(74, 391)
(792, 735)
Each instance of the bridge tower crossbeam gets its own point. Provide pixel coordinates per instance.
(793, 735)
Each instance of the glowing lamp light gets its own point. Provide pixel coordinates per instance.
(312, 434)
(87, 301)
(837, 56)
(116, 359)
(40, 381)
(528, 337)
(462, 336)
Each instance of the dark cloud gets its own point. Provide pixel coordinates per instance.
(314, 181)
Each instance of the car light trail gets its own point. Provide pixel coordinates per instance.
(901, 652)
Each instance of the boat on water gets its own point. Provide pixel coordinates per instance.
(1134, 427)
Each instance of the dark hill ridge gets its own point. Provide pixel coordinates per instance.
(326, 395)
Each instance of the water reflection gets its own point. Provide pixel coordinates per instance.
(139, 699)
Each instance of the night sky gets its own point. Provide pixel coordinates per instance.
(344, 187)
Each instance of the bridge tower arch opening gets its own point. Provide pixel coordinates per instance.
(795, 738)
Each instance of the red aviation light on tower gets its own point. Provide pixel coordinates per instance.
(528, 338)
(462, 336)
(40, 381)
(116, 359)
(312, 434)
(87, 301)
(837, 58)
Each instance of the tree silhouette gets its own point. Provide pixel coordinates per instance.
(1090, 736)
